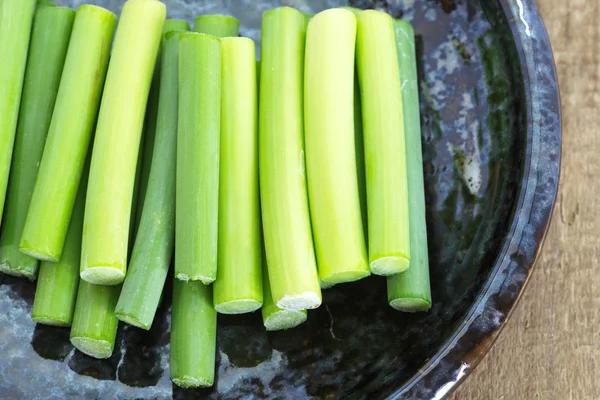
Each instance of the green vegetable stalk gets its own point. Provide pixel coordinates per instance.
(275, 318)
(154, 243)
(238, 288)
(16, 18)
(217, 25)
(198, 144)
(94, 327)
(147, 145)
(410, 290)
(193, 335)
(385, 151)
(116, 145)
(330, 149)
(47, 51)
(284, 199)
(57, 285)
(66, 148)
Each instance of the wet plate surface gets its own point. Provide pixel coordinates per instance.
(491, 143)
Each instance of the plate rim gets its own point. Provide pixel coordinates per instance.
(450, 366)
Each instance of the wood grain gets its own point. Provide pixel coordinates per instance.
(550, 348)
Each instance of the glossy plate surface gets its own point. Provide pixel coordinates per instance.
(491, 143)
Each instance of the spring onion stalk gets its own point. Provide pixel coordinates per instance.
(49, 41)
(359, 145)
(330, 152)
(385, 152)
(198, 144)
(308, 17)
(16, 18)
(44, 3)
(147, 146)
(275, 318)
(217, 25)
(116, 145)
(57, 284)
(193, 334)
(154, 242)
(239, 286)
(94, 327)
(284, 199)
(176, 25)
(79, 94)
(410, 290)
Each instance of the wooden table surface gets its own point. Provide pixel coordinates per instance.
(550, 348)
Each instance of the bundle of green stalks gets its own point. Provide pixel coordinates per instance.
(262, 182)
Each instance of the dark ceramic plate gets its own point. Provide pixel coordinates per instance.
(491, 143)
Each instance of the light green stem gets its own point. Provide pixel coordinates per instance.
(94, 327)
(16, 18)
(238, 288)
(116, 145)
(193, 335)
(275, 318)
(330, 149)
(284, 199)
(153, 247)
(385, 152)
(411, 290)
(56, 290)
(217, 25)
(68, 138)
(49, 41)
(198, 143)
(147, 146)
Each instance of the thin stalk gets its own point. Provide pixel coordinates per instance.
(284, 199)
(116, 145)
(47, 51)
(57, 285)
(217, 25)
(16, 17)
(193, 335)
(154, 243)
(330, 148)
(147, 146)
(52, 201)
(385, 151)
(238, 288)
(198, 146)
(411, 290)
(94, 327)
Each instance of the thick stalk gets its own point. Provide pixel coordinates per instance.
(68, 139)
(193, 335)
(198, 144)
(116, 145)
(275, 318)
(57, 285)
(154, 242)
(238, 288)
(217, 25)
(94, 327)
(385, 151)
(330, 149)
(284, 199)
(16, 18)
(47, 51)
(410, 290)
